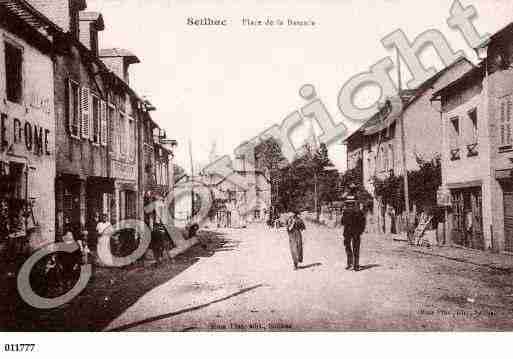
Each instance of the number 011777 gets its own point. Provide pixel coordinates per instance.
(19, 347)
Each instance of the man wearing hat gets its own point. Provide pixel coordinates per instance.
(353, 220)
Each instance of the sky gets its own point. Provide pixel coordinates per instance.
(225, 85)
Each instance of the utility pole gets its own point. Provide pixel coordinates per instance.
(192, 179)
(403, 146)
(316, 197)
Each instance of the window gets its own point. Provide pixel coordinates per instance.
(95, 135)
(13, 202)
(391, 155)
(505, 122)
(472, 114)
(131, 139)
(122, 129)
(454, 132)
(13, 72)
(104, 128)
(73, 109)
(385, 159)
(112, 122)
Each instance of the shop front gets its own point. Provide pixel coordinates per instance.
(467, 217)
(505, 178)
(27, 175)
(125, 191)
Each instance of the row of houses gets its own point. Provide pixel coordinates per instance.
(236, 203)
(76, 141)
(463, 116)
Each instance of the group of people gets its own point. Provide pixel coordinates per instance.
(353, 221)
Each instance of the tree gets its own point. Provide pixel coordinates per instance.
(422, 183)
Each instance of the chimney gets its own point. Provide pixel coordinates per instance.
(90, 24)
(118, 61)
(64, 13)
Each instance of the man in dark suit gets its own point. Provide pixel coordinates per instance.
(353, 220)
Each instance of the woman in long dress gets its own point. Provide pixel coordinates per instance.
(104, 246)
(295, 226)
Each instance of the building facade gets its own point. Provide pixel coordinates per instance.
(157, 168)
(377, 146)
(99, 155)
(466, 160)
(27, 129)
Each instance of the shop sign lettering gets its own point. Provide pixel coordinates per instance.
(14, 131)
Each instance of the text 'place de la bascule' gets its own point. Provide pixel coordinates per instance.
(76, 140)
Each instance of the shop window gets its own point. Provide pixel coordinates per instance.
(13, 72)
(13, 201)
(96, 115)
(73, 108)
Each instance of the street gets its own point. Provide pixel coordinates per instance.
(248, 283)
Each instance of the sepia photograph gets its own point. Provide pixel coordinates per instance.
(269, 166)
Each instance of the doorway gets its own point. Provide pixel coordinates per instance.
(467, 217)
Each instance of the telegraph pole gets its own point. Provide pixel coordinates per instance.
(403, 146)
(192, 179)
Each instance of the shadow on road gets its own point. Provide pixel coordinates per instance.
(369, 266)
(109, 293)
(309, 266)
(182, 311)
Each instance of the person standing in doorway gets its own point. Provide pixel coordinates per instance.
(295, 226)
(353, 220)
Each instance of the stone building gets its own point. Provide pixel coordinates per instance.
(157, 168)
(478, 147)
(27, 129)
(466, 160)
(98, 123)
(377, 147)
(83, 188)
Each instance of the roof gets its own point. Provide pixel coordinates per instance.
(117, 52)
(27, 13)
(506, 29)
(408, 96)
(475, 73)
(93, 16)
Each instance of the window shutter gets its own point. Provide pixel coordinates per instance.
(130, 139)
(508, 121)
(85, 112)
(70, 107)
(103, 123)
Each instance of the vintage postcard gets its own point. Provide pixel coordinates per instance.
(255, 166)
